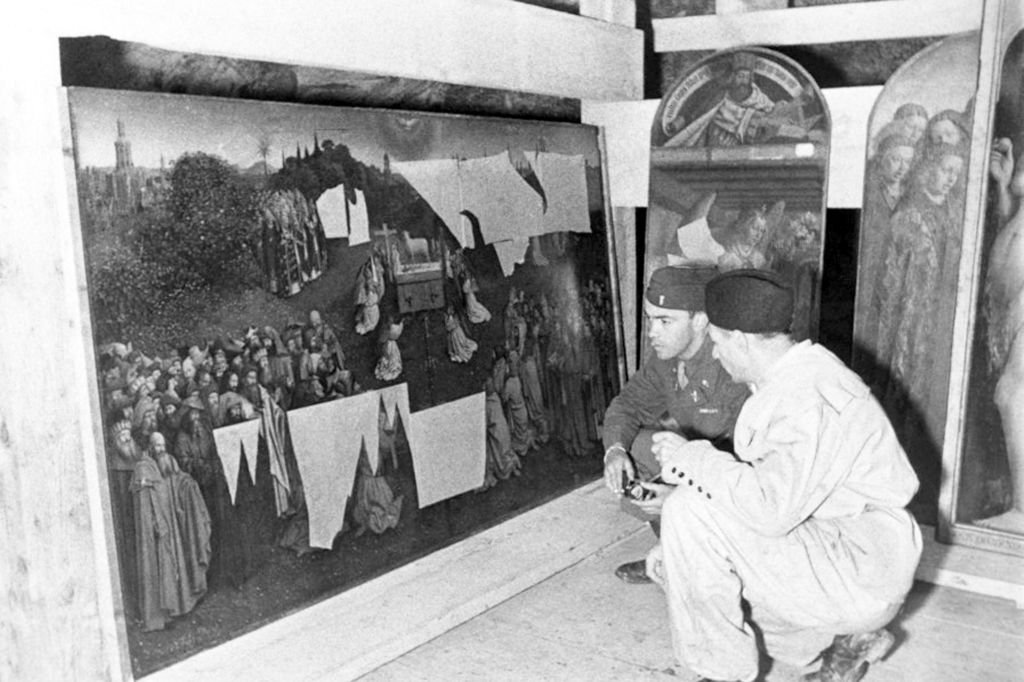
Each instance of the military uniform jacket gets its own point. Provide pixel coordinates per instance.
(706, 407)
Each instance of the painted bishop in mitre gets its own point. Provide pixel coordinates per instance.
(736, 119)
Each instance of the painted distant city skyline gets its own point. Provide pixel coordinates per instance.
(187, 124)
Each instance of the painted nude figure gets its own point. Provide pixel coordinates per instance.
(1004, 310)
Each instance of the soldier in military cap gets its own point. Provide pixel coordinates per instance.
(682, 389)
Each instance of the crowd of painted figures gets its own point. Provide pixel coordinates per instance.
(549, 379)
(178, 527)
(913, 206)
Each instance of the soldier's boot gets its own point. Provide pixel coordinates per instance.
(848, 658)
(633, 572)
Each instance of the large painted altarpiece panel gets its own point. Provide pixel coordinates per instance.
(330, 340)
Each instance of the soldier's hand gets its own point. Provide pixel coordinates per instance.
(667, 445)
(616, 461)
(653, 505)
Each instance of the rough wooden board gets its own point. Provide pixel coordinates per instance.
(850, 109)
(625, 254)
(826, 24)
(491, 43)
(57, 596)
(737, 6)
(614, 11)
(357, 631)
(627, 130)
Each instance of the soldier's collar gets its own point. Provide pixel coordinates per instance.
(701, 358)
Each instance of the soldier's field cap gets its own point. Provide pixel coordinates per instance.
(751, 301)
(679, 288)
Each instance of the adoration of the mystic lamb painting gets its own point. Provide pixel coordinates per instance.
(329, 340)
(910, 243)
(739, 153)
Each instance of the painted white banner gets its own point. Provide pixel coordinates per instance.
(449, 448)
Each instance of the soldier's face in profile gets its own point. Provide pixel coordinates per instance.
(671, 332)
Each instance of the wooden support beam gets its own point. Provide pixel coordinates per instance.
(850, 109)
(614, 11)
(888, 20)
(59, 596)
(627, 135)
(488, 43)
(738, 6)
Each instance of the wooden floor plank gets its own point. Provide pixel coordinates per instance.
(572, 626)
(502, 653)
(936, 645)
(967, 610)
(589, 609)
(584, 624)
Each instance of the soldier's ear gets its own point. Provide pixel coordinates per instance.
(700, 320)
